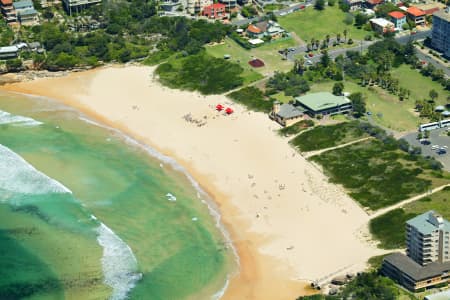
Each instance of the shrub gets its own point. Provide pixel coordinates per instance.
(252, 98)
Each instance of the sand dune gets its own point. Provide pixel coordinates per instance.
(288, 223)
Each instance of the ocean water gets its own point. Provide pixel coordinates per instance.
(87, 213)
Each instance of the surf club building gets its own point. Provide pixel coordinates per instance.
(313, 105)
(324, 103)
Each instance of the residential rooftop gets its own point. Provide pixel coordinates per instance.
(424, 222)
(23, 4)
(322, 100)
(414, 270)
(397, 14)
(416, 12)
(381, 22)
(443, 14)
(288, 111)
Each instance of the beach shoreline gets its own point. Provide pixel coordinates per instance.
(260, 195)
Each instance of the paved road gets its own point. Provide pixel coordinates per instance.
(291, 8)
(430, 60)
(420, 35)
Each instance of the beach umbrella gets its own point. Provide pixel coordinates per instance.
(229, 111)
(219, 107)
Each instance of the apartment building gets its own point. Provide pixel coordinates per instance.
(25, 11)
(427, 263)
(427, 238)
(440, 36)
(195, 7)
(8, 11)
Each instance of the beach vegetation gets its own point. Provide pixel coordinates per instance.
(293, 84)
(381, 227)
(200, 72)
(365, 286)
(322, 137)
(376, 173)
(253, 98)
(296, 128)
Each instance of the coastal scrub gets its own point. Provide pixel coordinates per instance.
(202, 73)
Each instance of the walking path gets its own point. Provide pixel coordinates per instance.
(404, 202)
(317, 152)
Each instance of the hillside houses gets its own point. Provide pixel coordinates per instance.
(19, 12)
(265, 29)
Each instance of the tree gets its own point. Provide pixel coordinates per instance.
(345, 33)
(433, 95)
(370, 286)
(338, 88)
(348, 19)
(338, 37)
(319, 4)
(360, 20)
(327, 38)
(325, 59)
(331, 2)
(359, 104)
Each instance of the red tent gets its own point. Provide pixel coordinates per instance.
(229, 111)
(219, 107)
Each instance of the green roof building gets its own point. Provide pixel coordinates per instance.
(324, 103)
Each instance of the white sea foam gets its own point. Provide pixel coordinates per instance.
(7, 118)
(213, 210)
(17, 175)
(171, 197)
(118, 262)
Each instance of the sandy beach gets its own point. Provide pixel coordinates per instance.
(289, 225)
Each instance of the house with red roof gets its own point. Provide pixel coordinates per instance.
(215, 11)
(265, 28)
(372, 4)
(254, 32)
(416, 15)
(398, 18)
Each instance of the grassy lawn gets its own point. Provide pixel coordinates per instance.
(323, 137)
(311, 23)
(281, 97)
(377, 174)
(386, 109)
(268, 53)
(381, 227)
(419, 85)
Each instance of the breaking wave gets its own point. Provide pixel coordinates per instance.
(118, 262)
(7, 118)
(18, 176)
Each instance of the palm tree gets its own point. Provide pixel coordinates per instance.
(345, 34)
(317, 44)
(327, 38)
(313, 40)
(338, 37)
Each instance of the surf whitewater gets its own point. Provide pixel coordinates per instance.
(57, 172)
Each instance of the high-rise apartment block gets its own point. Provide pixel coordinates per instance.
(427, 238)
(440, 35)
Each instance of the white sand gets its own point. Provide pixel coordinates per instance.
(288, 223)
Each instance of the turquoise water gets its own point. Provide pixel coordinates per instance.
(86, 213)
